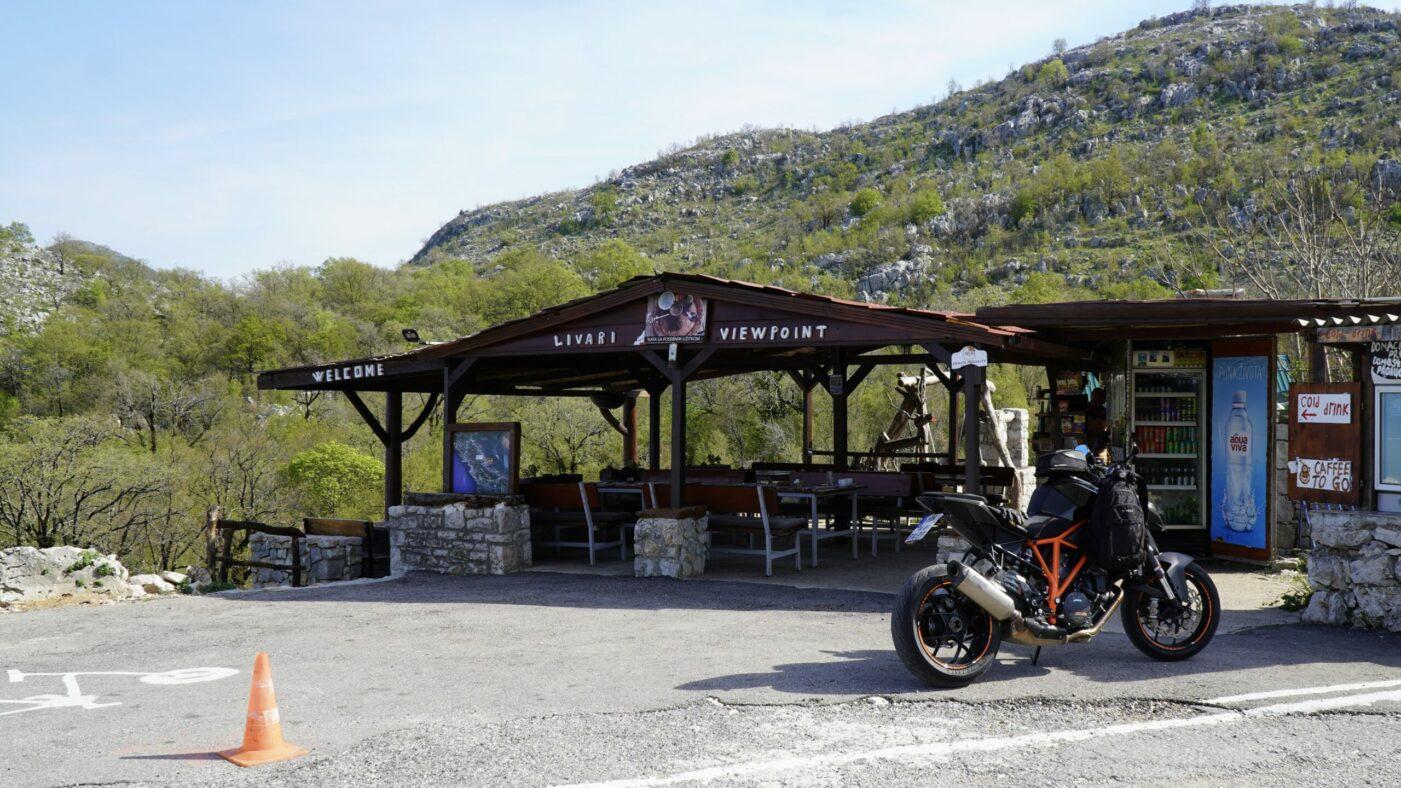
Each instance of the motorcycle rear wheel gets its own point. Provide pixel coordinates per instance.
(1169, 635)
(943, 638)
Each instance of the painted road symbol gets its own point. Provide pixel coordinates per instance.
(73, 697)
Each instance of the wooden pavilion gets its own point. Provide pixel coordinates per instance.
(664, 331)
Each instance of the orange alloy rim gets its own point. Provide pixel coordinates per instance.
(933, 652)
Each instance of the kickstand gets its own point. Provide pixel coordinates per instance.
(1036, 655)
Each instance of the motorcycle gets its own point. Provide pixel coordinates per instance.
(1032, 579)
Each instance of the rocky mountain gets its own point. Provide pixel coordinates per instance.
(1095, 164)
(34, 280)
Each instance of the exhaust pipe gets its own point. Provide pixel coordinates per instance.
(984, 593)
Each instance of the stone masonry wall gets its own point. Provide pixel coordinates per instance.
(1014, 425)
(324, 559)
(670, 543)
(1355, 569)
(1286, 511)
(460, 540)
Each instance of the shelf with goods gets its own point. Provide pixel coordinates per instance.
(1168, 429)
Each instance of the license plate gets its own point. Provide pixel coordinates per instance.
(925, 526)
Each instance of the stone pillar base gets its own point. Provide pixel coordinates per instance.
(670, 543)
(460, 539)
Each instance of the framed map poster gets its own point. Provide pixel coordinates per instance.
(484, 459)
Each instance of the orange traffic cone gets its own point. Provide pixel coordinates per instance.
(262, 736)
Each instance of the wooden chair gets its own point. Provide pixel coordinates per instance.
(746, 511)
(564, 506)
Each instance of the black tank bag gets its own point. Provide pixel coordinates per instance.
(1118, 527)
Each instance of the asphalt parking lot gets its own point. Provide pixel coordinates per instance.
(544, 678)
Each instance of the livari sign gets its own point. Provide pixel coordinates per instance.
(372, 369)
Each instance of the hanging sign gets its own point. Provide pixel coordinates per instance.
(1386, 361)
(1325, 442)
(1324, 408)
(1330, 475)
(969, 356)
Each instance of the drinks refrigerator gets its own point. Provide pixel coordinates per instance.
(1169, 412)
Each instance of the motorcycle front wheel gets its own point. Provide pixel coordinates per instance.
(943, 638)
(1168, 632)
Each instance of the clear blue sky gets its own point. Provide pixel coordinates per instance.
(234, 136)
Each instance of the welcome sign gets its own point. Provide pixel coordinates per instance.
(373, 369)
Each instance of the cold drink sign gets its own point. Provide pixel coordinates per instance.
(1324, 408)
(1325, 442)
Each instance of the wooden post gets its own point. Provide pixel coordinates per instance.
(1318, 357)
(972, 385)
(808, 384)
(228, 556)
(630, 430)
(211, 538)
(678, 438)
(838, 391)
(953, 417)
(393, 449)
(454, 384)
(296, 561)
(654, 427)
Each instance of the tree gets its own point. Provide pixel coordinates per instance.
(1053, 73)
(604, 202)
(612, 262)
(1059, 46)
(65, 481)
(925, 205)
(254, 343)
(564, 434)
(333, 479)
(1311, 235)
(864, 202)
(530, 282)
(15, 233)
(148, 403)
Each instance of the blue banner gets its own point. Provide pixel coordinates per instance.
(1241, 431)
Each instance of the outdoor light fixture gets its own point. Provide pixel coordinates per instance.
(411, 335)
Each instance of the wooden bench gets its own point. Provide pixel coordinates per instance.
(888, 499)
(370, 557)
(747, 511)
(561, 506)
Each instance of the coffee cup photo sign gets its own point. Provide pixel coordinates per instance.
(969, 357)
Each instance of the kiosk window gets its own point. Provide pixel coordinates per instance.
(1389, 437)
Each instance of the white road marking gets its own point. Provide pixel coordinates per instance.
(1289, 693)
(73, 697)
(996, 743)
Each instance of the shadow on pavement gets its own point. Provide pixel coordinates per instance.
(1109, 658)
(873, 672)
(576, 591)
(175, 756)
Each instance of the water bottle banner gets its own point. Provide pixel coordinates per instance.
(1240, 436)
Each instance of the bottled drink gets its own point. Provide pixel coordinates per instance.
(1238, 499)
